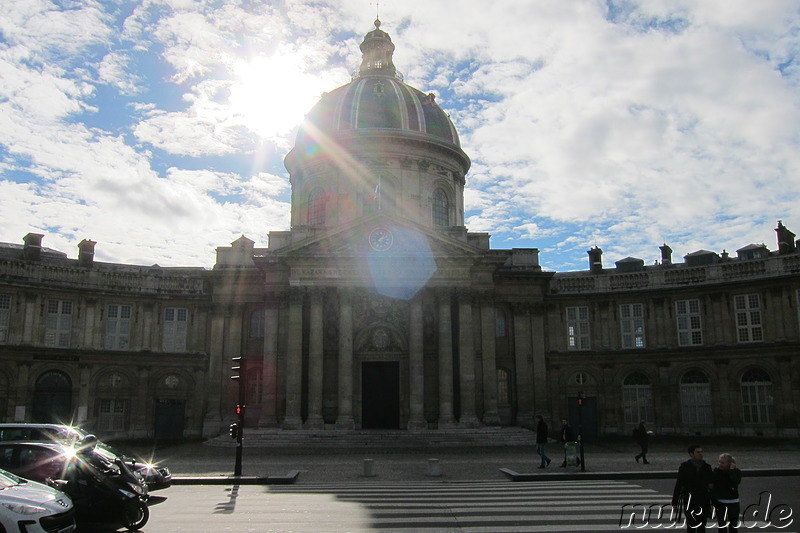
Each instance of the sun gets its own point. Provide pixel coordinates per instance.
(271, 95)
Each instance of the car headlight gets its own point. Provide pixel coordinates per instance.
(127, 493)
(24, 509)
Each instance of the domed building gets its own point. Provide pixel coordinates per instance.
(378, 309)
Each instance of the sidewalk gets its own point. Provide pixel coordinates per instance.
(610, 458)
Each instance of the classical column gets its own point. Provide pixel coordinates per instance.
(489, 362)
(84, 377)
(141, 426)
(522, 362)
(416, 367)
(466, 359)
(538, 357)
(212, 420)
(314, 420)
(294, 361)
(344, 419)
(23, 389)
(269, 372)
(446, 418)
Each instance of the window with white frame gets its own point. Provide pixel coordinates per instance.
(111, 414)
(440, 209)
(637, 398)
(5, 316)
(632, 325)
(58, 323)
(748, 318)
(257, 326)
(687, 314)
(578, 328)
(503, 387)
(499, 323)
(696, 399)
(175, 329)
(757, 397)
(118, 327)
(317, 207)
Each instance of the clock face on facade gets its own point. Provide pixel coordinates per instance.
(380, 239)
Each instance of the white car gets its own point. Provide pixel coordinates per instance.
(32, 507)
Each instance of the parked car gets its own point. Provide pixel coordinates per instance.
(155, 476)
(32, 507)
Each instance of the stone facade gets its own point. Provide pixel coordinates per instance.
(378, 309)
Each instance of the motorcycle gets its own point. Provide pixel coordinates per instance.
(109, 494)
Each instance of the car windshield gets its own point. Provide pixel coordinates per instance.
(7, 479)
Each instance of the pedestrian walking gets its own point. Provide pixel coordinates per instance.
(641, 436)
(541, 440)
(567, 435)
(692, 490)
(725, 493)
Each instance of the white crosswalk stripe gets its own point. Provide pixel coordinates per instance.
(477, 507)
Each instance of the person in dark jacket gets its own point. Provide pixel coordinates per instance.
(567, 435)
(725, 493)
(641, 437)
(541, 440)
(692, 490)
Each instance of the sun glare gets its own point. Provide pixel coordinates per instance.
(271, 95)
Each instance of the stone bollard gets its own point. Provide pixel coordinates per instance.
(369, 468)
(434, 468)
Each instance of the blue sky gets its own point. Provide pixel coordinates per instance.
(158, 128)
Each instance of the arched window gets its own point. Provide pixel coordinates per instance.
(441, 208)
(316, 208)
(696, 399)
(503, 387)
(756, 397)
(637, 398)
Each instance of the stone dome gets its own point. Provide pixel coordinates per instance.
(377, 100)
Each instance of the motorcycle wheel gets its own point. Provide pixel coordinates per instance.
(135, 516)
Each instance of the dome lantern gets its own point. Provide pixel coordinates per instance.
(377, 49)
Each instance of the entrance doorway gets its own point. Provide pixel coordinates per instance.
(380, 395)
(169, 419)
(52, 398)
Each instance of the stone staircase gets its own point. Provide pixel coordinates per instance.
(380, 439)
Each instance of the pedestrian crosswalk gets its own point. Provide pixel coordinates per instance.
(546, 506)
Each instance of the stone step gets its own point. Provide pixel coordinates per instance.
(360, 439)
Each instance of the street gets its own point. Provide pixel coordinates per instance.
(481, 506)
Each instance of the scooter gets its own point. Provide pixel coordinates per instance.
(113, 495)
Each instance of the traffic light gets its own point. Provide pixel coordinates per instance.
(237, 368)
(580, 401)
(233, 431)
(239, 410)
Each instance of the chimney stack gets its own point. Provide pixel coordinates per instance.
(86, 253)
(32, 251)
(786, 244)
(666, 254)
(595, 260)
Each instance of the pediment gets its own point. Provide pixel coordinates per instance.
(400, 238)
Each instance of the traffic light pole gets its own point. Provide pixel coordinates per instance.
(237, 429)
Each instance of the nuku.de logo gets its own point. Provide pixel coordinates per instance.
(664, 516)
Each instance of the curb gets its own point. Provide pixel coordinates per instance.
(658, 474)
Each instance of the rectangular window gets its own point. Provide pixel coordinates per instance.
(5, 316)
(632, 325)
(499, 323)
(118, 327)
(748, 318)
(637, 403)
(58, 323)
(578, 328)
(111, 414)
(175, 329)
(687, 313)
